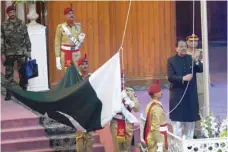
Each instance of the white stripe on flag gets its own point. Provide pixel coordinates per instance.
(106, 81)
(74, 122)
(128, 115)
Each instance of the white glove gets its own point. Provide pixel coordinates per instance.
(58, 63)
(81, 37)
(143, 148)
(124, 94)
(129, 102)
(160, 147)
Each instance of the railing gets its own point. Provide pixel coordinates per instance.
(176, 144)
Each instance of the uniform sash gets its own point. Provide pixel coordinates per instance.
(147, 124)
(68, 33)
(147, 127)
(121, 127)
(68, 57)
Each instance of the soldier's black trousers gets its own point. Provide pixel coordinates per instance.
(9, 70)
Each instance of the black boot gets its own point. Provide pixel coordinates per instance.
(8, 96)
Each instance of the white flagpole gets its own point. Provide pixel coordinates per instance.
(203, 4)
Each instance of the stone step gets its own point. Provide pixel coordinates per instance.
(57, 129)
(17, 123)
(96, 148)
(39, 150)
(68, 140)
(25, 144)
(23, 132)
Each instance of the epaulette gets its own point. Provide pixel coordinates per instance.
(60, 25)
(78, 24)
(129, 89)
(200, 49)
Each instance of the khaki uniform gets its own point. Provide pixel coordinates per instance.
(200, 90)
(62, 40)
(84, 141)
(124, 146)
(157, 118)
(199, 76)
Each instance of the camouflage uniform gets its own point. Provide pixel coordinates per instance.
(15, 44)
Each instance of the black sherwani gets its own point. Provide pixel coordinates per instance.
(188, 109)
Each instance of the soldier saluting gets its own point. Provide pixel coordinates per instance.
(68, 40)
(15, 46)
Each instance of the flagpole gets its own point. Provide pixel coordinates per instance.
(203, 4)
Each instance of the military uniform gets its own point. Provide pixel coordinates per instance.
(121, 130)
(199, 80)
(157, 130)
(15, 45)
(84, 140)
(66, 48)
(154, 129)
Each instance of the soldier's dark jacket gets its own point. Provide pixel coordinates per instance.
(14, 38)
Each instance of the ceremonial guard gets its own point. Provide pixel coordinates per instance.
(68, 39)
(84, 140)
(15, 46)
(155, 129)
(121, 129)
(197, 54)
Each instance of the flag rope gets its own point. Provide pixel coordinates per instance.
(192, 61)
(122, 42)
(122, 57)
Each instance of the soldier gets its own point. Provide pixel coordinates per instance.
(84, 140)
(155, 130)
(192, 41)
(121, 129)
(68, 40)
(15, 46)
(83, 66)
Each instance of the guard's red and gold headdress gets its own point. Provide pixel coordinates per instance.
(154, 88)
(68, 9)
(192, 37)
(82, 59)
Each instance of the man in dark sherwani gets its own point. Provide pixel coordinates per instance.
(180, 73)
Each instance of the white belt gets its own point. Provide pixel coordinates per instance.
(68, 48)
(118, 116)
(165, 128)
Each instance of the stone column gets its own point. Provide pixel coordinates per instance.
(37, 34)
(32, 15)
(21, 11)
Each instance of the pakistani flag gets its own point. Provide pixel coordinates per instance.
(87, 106)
